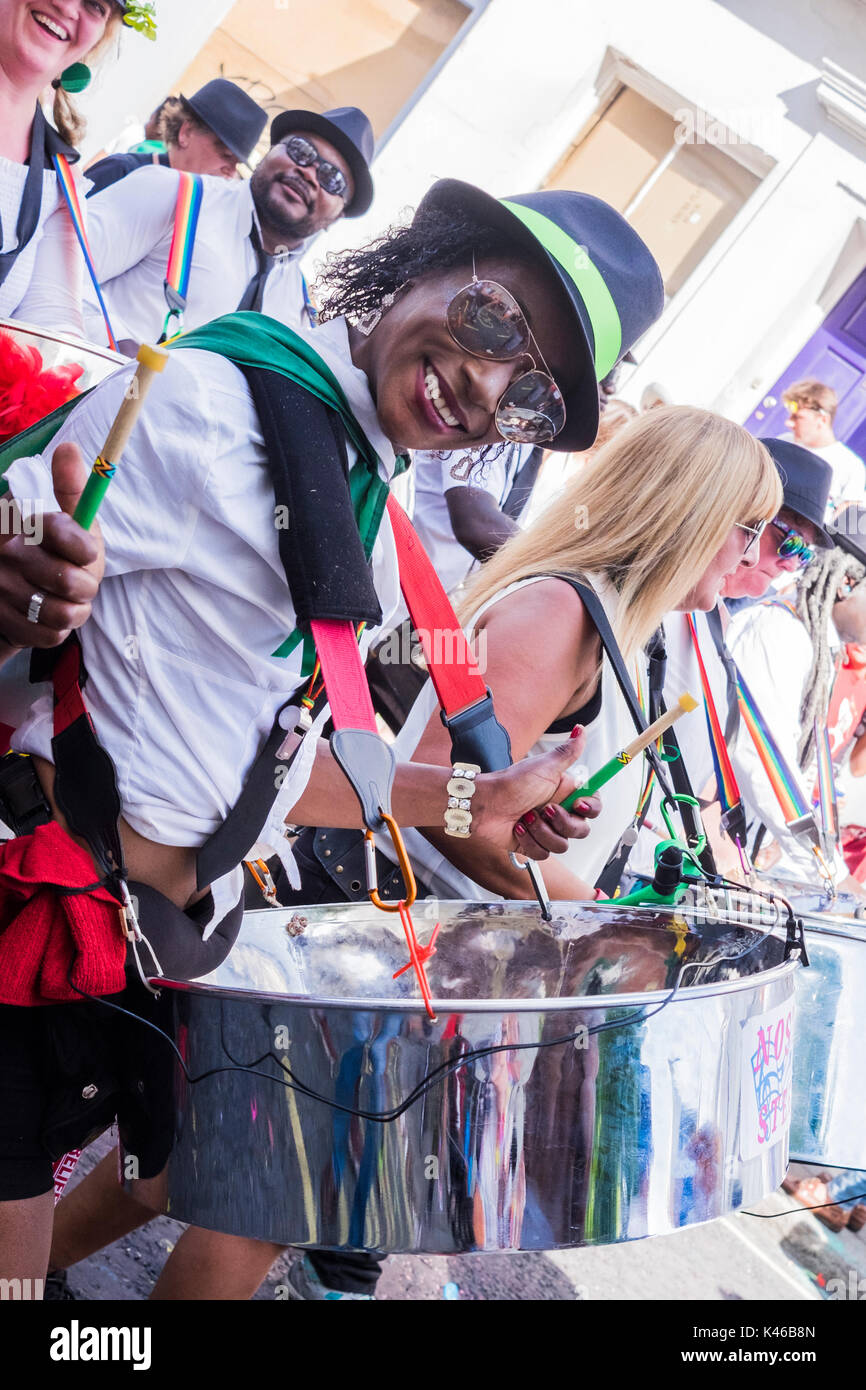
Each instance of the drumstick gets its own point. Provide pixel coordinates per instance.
(685, 704)
(151, 360)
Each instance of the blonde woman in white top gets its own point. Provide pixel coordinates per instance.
(655, 521)
(40, 261)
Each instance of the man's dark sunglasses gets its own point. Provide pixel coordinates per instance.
(329, 177)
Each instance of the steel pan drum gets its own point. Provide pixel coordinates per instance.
(59, 350)
(561, 1098)
(828, 1123)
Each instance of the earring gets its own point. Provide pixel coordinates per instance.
(74, 78)
(365, 323)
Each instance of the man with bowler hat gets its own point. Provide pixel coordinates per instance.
(250, 234)
(211, 132)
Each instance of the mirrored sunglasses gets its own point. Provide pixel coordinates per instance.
(328, 176)
(794, 545)
(486, 321)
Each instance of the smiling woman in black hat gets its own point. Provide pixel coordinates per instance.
(479, 322)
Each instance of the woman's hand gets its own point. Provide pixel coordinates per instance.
(517, 809)
(65, 567)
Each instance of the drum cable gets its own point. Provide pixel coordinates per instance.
(440, 1073)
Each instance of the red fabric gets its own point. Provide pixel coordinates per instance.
(29, 391)
(46, 937)
(455, 675)
(847, 700)
(344, 675)
(854, 850)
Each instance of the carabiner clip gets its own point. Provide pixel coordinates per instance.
(402, 861)
(262, 875)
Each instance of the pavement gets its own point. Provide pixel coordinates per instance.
(789, 1257)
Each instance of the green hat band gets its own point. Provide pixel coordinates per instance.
(587, 280)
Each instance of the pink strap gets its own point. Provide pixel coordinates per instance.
(343, 672)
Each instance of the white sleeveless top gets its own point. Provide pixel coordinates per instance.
(611, 729)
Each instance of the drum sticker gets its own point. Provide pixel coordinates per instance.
(766, 1080)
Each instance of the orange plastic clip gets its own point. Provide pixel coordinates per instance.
(402, 860)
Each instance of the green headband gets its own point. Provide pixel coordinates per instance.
(587, 280)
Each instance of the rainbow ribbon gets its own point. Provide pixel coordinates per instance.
(186, 214)
(70, 193)
(797, 813)
(644, 798)
(826, 783)
(788, 793)
(730, 796)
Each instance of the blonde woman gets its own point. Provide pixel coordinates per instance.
(655, 522)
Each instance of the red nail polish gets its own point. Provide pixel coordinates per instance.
(529, 818)
(518, 830)
(549, 812)
(576, 731)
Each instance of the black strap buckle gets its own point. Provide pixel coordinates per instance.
(23, 805)
(478, 737)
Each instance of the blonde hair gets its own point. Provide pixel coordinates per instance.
(649, 511)
(65, 116)
(812, 392)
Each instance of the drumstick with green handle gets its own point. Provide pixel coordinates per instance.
(151, 361)
(685, 704)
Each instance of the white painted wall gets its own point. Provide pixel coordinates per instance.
(134, 80)
(516, 93)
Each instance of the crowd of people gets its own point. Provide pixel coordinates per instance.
(472, 344)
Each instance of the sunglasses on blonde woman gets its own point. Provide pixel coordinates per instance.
(754, 533)
(486, 321)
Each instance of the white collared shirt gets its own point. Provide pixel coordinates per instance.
(437, 473)
(130, 225)
(183, 688)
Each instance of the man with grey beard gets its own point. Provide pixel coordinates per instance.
(249, 238)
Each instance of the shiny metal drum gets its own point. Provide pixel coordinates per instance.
(610, 1075)
(59, 350)
(828, 1123)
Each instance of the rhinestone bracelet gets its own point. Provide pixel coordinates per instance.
(460, 787)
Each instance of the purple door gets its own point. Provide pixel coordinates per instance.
(836, 355)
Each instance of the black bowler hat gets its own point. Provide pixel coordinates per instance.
(231, 114)
(612, 283)
(806, 481)
(350, 132)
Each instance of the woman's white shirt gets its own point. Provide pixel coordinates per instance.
(45, 283)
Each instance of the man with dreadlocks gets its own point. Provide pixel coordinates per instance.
(789, 649)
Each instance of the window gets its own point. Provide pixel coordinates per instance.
(678, 196)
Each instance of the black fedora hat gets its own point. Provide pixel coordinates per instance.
(806, 481)
(609, 276)
(231, 114)
(350, 132)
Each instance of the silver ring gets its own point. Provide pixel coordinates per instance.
(35, 607)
